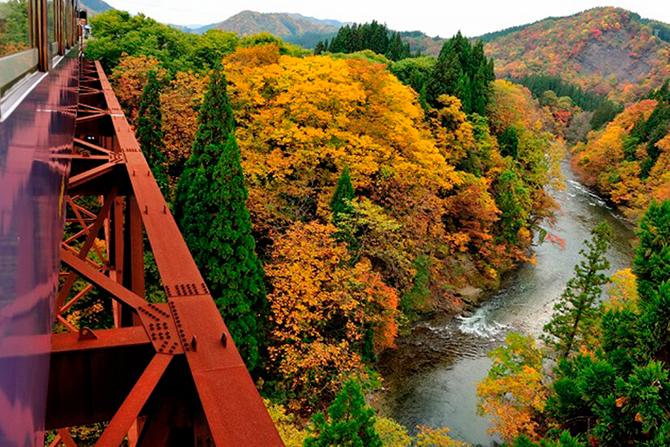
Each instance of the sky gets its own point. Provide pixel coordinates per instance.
(443, 18)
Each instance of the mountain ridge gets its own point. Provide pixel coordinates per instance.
(95, 7)
(611, 51)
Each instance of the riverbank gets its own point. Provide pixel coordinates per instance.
(431, 378)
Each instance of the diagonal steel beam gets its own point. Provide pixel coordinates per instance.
(81, 119)
(97, 278)
(91, 174)
(87, 145)
(65, 437)
(120, 424)
(88, 243)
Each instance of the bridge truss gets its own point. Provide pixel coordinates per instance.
(168, 373)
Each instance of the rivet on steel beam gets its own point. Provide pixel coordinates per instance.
(148, 172)
(146, 209)
(224, 339)
(164, 209)
(86, 334)
(133, 173)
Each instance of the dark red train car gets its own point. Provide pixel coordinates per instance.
(39, 55)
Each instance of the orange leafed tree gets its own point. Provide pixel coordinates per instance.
(321, 310)
(181, 101)
(129, 78)
(513, 395)
(611, 161)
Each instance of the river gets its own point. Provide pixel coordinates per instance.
(437, 366)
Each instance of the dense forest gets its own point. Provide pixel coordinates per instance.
(350, 191)
(430, 176)
(607, 382)
(608, 51)
(368, 36)
(627, 161)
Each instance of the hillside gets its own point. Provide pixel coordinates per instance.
(420, 41)
(609, 50)
(328, 22)
(293, 28)
(95, 7)
(629, 160)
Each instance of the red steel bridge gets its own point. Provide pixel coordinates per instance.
(166, 374)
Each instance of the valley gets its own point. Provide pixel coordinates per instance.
(414, 240)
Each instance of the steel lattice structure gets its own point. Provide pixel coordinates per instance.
(167, 373)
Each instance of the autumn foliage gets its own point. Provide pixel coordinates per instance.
(321, 311)
(629, 160)
(433, 204)
(577, 48)
(513, 395)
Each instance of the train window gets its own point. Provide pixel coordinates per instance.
(68, 13)
(52, 32)
(14, 27)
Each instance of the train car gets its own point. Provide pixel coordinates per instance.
(39, 78)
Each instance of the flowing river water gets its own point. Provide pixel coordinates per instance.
(433, 376)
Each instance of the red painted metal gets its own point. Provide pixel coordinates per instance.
(125, 416)
(34, 138)
(162, 376)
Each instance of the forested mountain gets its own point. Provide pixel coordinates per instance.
(328, 22)
(95, 7)
(295, 28)
(610, 51)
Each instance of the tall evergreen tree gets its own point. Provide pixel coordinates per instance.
(344, 193)
(575, 317)
(445, 77)
(150, 132)
(212, 214)
(513, 200)
(351, 421)
(368, 36)
(509, 142)
(462, 70)
(652, 267)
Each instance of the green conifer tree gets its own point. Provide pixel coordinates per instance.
(514, 202)
(212, 214)
(351, 421)
(445, 76)
(509, 142)
(652, 268)
(342, 197)
(150, 132)
(462, 70)
(575, 317)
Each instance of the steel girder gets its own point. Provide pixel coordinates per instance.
(168, 373)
